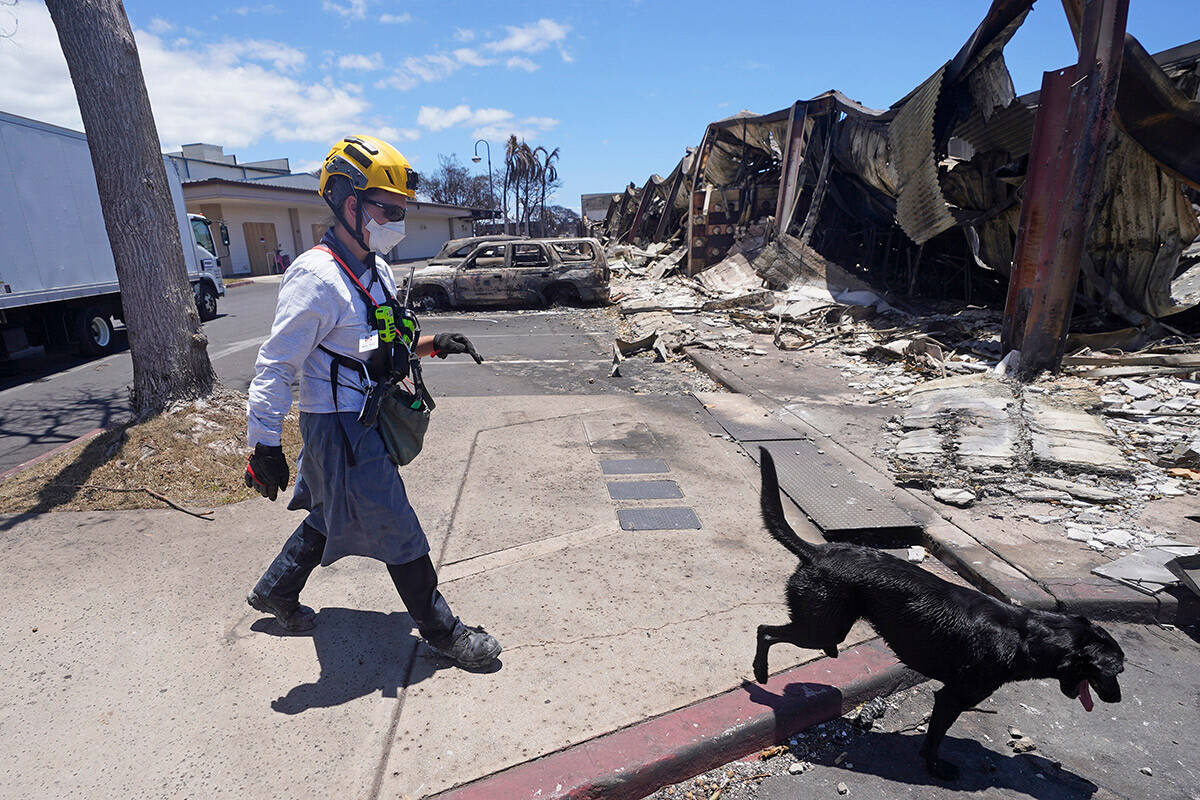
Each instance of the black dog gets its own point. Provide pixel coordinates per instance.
(969, 641)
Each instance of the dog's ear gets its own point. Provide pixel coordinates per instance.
(1100, 649)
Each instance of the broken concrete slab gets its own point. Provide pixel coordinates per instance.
(1066, 436)
(1092, 494)
(962, 498)
(734, 275)
(1146, 570)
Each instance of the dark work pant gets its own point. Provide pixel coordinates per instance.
(416, 582)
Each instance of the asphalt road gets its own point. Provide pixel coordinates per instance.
(48, 401)
(1143, 747)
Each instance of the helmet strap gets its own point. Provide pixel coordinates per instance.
(355, 230)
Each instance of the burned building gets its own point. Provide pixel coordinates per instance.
(926, 197)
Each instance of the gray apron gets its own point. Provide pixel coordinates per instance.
(362, 510)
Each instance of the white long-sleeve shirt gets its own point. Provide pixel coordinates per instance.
(318, 305)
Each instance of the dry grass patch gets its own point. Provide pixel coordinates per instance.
(193, 454)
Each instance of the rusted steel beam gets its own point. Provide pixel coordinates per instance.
(1064, 193)
(660, 230)
(648, 193)
(791, 175)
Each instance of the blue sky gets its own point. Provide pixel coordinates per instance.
(620, 87)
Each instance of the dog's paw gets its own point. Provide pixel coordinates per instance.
(831, 651)
(760, 672)
(942, 769)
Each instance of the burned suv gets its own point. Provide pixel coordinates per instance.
(516, 272)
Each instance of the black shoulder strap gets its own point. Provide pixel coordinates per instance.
(339, 360)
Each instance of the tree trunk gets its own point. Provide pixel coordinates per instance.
(168, 349)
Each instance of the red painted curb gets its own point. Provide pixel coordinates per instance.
(51, 453)
(633, 762)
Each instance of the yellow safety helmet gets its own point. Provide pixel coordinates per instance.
(369, 163)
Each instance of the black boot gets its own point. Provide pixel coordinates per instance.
(468, 647)
(278, 591)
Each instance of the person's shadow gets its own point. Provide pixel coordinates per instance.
(894, 756)
(360, 652)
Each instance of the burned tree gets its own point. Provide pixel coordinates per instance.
(168, 349)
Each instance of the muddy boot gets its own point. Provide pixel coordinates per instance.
(468, 647)
(293, 617)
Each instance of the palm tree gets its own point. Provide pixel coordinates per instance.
(512, 166)
(548, 174)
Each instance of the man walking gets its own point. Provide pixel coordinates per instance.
(327, 317)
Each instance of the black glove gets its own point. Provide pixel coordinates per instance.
(445, 344)
(267, 471)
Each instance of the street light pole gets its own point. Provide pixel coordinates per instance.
(491, 191)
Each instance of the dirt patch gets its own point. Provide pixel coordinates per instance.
(194, 454)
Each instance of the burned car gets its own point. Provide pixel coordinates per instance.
(516, 272)
(456, 250)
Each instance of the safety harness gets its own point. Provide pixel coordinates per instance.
(382, 318)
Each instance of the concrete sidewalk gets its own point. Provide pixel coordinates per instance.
(135, 668)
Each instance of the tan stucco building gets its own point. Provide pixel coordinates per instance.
(264, 207)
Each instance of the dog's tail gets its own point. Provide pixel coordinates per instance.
(772, 513)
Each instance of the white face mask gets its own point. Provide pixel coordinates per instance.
(383, 236)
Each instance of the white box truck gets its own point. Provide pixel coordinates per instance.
(58, 282)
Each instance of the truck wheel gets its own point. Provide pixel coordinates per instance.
(206, 302)
(93, 327)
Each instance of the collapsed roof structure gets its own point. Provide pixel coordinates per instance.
(926, 196)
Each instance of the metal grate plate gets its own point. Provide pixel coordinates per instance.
(744, 419)
(633, 466)
(833, 498)
(657, 519)
(644, 490)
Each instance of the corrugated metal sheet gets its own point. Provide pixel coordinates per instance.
(921, 209)
(1010, 130)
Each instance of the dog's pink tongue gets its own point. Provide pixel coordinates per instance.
(1085, 696)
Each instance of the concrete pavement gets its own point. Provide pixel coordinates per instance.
(136, 669)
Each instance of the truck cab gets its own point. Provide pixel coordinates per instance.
(208, 285)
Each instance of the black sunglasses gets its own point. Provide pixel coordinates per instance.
(393, 213)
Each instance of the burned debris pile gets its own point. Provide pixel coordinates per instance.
(924, 198)
(885, 239)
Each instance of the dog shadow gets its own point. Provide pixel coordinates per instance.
(360, 653)
(894, 756)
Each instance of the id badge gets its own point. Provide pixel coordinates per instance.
(368, 343)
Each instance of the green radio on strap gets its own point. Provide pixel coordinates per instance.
(385, 322)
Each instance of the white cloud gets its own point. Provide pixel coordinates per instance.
(472, 57)
(415, 70)
(360, 61)
(269, 8)
(532, 38)
(521, 62)
(281, 56)
(160, 26)
(567, 57)
(488, 123)
(233, 93)
(350, 9)
(464, 34)
(393, 135)
(436, 119)
(395, 19)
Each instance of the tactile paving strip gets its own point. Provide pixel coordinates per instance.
(633, 466)
(657, 519)
(644, 490)
(833, 498)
